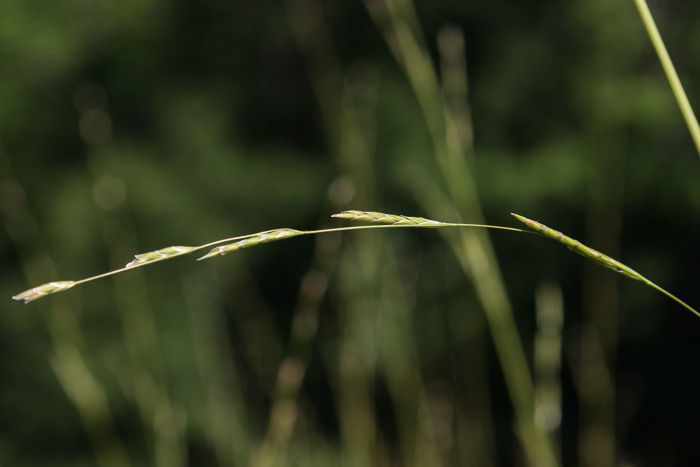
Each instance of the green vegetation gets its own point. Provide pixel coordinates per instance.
(129, 126)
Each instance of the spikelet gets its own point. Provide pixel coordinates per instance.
(583, 250)
(382, 218)
(257, 239)
(598, 257)
(159, 255)
(44, 290)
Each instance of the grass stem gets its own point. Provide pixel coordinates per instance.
(670, 71)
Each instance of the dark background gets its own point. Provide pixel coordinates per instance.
(130, 126)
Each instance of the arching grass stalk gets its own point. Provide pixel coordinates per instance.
(236, 243)
(378, 219)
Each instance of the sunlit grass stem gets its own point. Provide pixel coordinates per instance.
(670, 71)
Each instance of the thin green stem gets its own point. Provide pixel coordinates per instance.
(670, 71)
(670, 295)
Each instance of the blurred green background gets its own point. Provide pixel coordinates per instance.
(130, 126)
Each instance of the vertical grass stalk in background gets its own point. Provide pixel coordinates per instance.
(598, 342)
(68, 353)
(548, 357)
(670, 71)
(145, 381)
(347, 101)
(474, 429)
(224, 409)
(398, 22)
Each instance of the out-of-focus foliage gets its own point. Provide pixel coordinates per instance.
(130, 126)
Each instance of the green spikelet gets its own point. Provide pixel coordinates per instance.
(598, 257)
(160, 255)
(265, 237)
(44, 290)
(382, 218)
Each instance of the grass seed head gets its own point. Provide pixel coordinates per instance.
(159, 255)
(391, 219)
(44, 290)
(265, 237)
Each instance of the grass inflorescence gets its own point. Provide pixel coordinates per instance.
(377, 219)
(598, 257)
